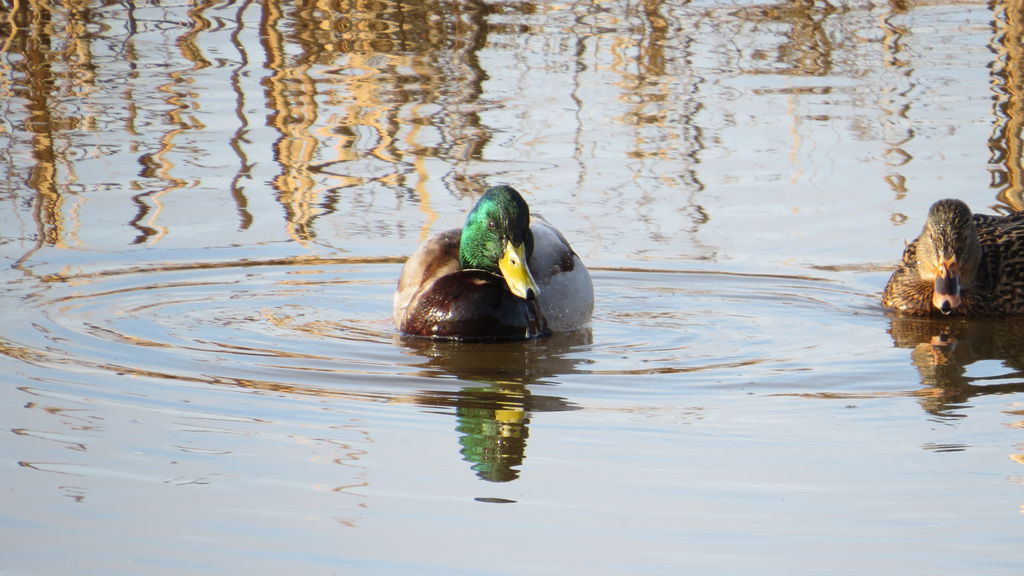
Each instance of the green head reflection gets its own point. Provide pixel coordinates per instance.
(494, 424)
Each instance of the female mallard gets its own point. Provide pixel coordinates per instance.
(962, 263)
(502, 277)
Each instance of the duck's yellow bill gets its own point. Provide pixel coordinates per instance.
(517, 274)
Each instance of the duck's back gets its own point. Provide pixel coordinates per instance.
(999, 281)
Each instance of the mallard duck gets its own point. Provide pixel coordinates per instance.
(962, 263)
(507, 275)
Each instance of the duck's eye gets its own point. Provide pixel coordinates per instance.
(491, 224)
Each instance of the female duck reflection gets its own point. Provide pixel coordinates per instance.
(504, 276)
(944, 348)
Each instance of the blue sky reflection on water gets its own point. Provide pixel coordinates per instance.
(207, 206)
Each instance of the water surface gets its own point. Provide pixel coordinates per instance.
(207, 206)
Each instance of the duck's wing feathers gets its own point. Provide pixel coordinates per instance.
(1000, 229)
(905, 291)
(437, 257)
(1002, 269)
(567, 293)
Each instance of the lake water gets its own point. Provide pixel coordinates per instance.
(206, 207)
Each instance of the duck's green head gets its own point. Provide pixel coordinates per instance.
(497, 238)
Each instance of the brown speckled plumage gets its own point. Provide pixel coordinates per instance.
(986, 251)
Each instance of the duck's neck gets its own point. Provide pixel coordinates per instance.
(477, 252)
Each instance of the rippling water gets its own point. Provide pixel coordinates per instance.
(207, 207)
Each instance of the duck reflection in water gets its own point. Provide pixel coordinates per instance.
(944, 349)
(493, 414)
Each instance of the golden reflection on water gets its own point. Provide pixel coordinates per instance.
(1007, 78)
(363, 93)
(368, 93)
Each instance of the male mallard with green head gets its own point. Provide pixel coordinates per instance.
(504, 276)
(962, 263)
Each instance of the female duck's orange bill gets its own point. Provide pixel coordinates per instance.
(946, 296)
